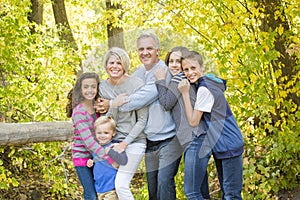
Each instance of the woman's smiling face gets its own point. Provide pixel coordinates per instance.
(175, 63)
(114, 67)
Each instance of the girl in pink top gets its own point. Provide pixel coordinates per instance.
(83, 117)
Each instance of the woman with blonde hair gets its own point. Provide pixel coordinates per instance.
(130, 125)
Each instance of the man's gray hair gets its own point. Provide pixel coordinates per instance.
(151, 35)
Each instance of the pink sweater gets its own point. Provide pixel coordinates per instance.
(84, 141)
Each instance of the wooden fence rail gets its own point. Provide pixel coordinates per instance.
(23, 133)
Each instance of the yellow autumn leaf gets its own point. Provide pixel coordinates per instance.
(282, 93)
(280, 30)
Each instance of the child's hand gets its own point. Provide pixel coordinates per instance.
(160, 73)
(184, 86)
(120, 100)
(90, 163)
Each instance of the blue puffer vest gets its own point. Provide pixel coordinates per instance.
(220, 125)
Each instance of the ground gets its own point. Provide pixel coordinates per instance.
(290, 195)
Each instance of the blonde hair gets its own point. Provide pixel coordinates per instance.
(120, 54)
(104, 120)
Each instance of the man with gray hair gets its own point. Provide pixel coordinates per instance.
(162, 156)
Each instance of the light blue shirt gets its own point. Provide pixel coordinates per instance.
(160, 125)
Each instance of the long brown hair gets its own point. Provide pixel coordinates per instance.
(75, 96)
(181, 49)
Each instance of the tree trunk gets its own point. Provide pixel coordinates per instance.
(36, 14)
(114, 33)
(64, 29)
(62, 23)
(274, 17)
(23, 133)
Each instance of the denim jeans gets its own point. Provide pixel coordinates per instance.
(196, 159)
(230, 174)
(85, 175)
(162, 159)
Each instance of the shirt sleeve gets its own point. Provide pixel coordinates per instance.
(113, 112)
(167, 96)
(120, 158)
(204, 101)
(141, 98)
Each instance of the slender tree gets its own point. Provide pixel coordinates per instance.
(62, 22)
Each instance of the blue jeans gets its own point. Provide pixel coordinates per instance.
(230, 174)
(85, 175)
(196, 159)
(162, 159)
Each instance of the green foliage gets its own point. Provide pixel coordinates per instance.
(36, 75)
(36, 72)
(255, 50)
(5, 176)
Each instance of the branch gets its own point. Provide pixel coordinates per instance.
(62, 156)
(187, 23)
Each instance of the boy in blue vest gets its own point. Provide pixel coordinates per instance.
(217, 132)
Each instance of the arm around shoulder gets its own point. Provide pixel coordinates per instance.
(142, 97)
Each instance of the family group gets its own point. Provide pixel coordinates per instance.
(163, 111)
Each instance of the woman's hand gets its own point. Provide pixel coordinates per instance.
(101, 105)
(160, 73)
(119, 147)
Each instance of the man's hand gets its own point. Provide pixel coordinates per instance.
(120, 100)
(101, 105)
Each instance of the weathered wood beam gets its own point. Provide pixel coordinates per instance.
(23, 133)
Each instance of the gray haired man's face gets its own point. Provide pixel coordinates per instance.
(148, 54)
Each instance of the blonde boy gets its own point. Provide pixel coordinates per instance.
(104, 173)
